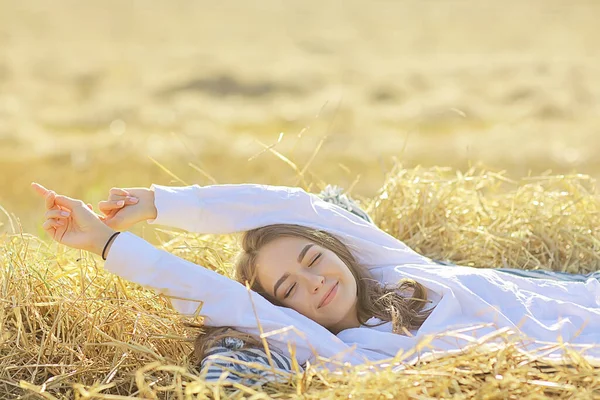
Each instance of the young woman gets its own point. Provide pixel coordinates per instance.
(324, 281)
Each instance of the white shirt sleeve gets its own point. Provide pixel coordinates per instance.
(194, 290)
(233, 208)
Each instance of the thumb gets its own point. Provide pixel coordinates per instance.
(68, 202)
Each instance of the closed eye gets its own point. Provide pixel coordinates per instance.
(289, 291)
(315, 260)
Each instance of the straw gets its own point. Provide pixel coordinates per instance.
(69, 329)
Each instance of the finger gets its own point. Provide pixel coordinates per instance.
(108, 213)
(68, 202)
(117, 191)
(89, 205)
(42, 191)
(48, 195)
(106, 206)
(50, 199)
(126, 199)
(117, 197)
(57, 214)
(50, 226)
(131, 200)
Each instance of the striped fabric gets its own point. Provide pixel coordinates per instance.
(334, 195)
(231, 365)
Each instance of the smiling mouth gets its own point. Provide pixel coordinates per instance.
(327, 297)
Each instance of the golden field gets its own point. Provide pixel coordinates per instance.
(354, 93)
(89, 91)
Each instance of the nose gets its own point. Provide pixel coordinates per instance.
(315, 282)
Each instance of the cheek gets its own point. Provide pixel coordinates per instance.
(301, 306)
(351, 284)
(300, 301)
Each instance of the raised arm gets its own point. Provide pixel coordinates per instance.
(223, 301)
(234, 208)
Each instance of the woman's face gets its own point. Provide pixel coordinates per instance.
(310, 279)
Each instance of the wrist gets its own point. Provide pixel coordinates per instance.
(152, 211)
(100, 241)
(108, 245)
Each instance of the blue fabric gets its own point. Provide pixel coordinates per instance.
(558, 276)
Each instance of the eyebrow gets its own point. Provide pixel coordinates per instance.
(279, 282)
(286, 275)
(303, 252)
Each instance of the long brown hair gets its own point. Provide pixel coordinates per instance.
(374, 300)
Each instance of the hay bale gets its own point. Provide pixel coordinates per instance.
(68, 329)
(484, 219)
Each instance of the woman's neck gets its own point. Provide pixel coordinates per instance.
(349, 321)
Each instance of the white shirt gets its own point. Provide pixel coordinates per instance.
(484, 300)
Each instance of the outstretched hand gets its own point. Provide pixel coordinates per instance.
(72, 222)
(126, 207)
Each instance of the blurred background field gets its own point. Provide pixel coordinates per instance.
(89, 91)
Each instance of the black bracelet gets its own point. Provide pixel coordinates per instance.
(114, 235)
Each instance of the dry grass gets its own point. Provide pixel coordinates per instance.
(69, 329)
(485, 219)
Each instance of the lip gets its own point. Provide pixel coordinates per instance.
(329, 296)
